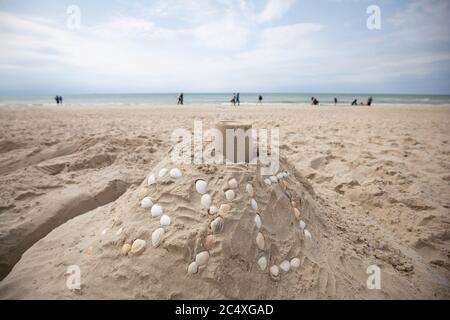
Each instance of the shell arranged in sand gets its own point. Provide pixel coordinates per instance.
(285, 266)
(274, 271)
(224, 209)
(254, 204)
(200, 186)
(175, 173)
(193, 268)
(262, 262)
(302, 224)
(267, 182)
(156, 211)
(260, 241)
(258, 221)
(164, 221)
(126, 248)
(232, 183)
(206, 201)
(217, 225)
(280, 175)
(157, 237)
(295, 263)
(147, 203)
(138, 247)
(249, 189)
(202, 258)
(213, 210)
(151, 180)
(162, 172)
(229, 195)
(307, 234)
(119, 232)
(297, 214)
(273, 179)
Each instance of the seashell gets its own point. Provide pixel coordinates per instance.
(302, 224)
(224, 209)
(285, 174)
(126, 248)
(249, 189)
(156, 211)
(262, 262)
(119, 232)
(254, 204)
(209, 242)
(284, 184)
(274, 271)
(260, 241)
(162, 172)
(193, 268)
(258, 221)
(217, 225)
(297, 213)
(267, 182)
(151, 180)
(147, 203)
(213, 210)
(285, 266)
(105, 231)
(295, 263)
(157, 237)
(138, 247)
(164, 221)
(175, 173)
(280, 176)
(307, 234)
(202, 258)
(229, 194)
(273, 179)
(206, 201)
(200, 186)
(232, 183)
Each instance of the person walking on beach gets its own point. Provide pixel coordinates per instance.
(233, 101)
(335, 101)
(238, 101)
(260, 98)
(180, 99)
(314, 101)
(355, 102)
(369, 101)
(61, 100)
(57, 100)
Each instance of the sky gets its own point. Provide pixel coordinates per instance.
(126, 46)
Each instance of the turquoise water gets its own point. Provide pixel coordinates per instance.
(223, 98)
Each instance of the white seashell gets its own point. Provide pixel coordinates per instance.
(147, 203)
(164, 221)
(119, 232)
(105, 231)
(295, 263)
(175, 173)
(302, 224)
(254, 204)
(273, 179)
(297, 213)
(280, 176)
(249, 189)
(162, 172)
(285, 266)
(267, 182)
(262, 262)
(151, 180)
(138, 247)
(193, 268)
(260, 241)
(217, 225)
(258, 221)
(224, 209)
(125, 249)
(232, 183)
(307, 234)
(229, 194)
(201, 186)
(202, 258)
(156, 211)
(274, 271)
(206, 201)
(285, 174)
(213, 210)
(157, 237)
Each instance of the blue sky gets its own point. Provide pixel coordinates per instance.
(224, 46)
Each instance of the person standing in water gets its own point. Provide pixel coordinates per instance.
(61, 100)
(57, 100)
(260, 99)
(180, 99)
(335, 101)
(238, 101)
(233, 101)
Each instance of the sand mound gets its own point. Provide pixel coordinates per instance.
(238, 235)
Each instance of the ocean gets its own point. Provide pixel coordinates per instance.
(222, 99)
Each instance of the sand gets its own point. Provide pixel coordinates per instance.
(372, 185)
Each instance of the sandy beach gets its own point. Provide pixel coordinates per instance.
(373, 185)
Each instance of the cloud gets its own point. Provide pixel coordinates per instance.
(275, 9)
